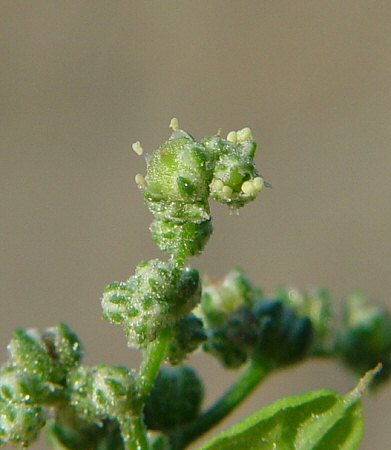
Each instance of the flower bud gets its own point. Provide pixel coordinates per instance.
(365, 337)
(175, 398)
(186, 336)
(156, 296)
(20, 423)
(235, 180)
(316, 305)
(232, 342)
(18, 385)
(29, 352)
(176, 180)
(221, 299)
(64, 347)
(285, 337)
(102, 391)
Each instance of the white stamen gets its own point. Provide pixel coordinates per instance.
(248, 187)
(244, 134)
(258, 183)
(232, 137)
(174, 124)
(137, 148)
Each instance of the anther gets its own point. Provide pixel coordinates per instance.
(174, 124)
(137, 148)
(244, 134)
(232, 137)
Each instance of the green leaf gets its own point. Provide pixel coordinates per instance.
(319, 420)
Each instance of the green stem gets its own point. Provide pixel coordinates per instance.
(133, 433)
(151, 362)
(132, 427)
(235, 394)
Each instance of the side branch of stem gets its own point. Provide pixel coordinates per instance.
(250, 377)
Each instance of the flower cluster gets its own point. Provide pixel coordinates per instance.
(241, 324)
(35, 378)
(181, 176)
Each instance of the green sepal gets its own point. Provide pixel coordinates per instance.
(48, 355)
(102, 391)
(18, 385)
(64, 347)
(176, 171)
(186, 336)
(28, 351)
(220, 299)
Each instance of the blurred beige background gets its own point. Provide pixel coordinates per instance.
(81, 80)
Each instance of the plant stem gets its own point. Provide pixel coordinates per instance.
(133, 433)
(132, 427)
(231, 398)
(151, 362)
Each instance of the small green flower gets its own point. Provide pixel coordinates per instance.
(235, 180)
(225, 341)
(285, 337)
(316, 305)
(20, 423)
(29, 352)
(102, 391)
(181, 176)
(157, 296)
(18, 385)
(175, 398)
(365, 337)
(64, 347)
(48, 355)
(224, 297)
(187, 335)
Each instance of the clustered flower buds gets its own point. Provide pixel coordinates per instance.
(187, 335)
(315, 304)
(156, 296)
(33, 379)
(365, 337)
(241, 324)
(181, 176)
(165, 311)
(102, 391)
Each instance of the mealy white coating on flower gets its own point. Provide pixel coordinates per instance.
(174, 124)
(136, 146)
